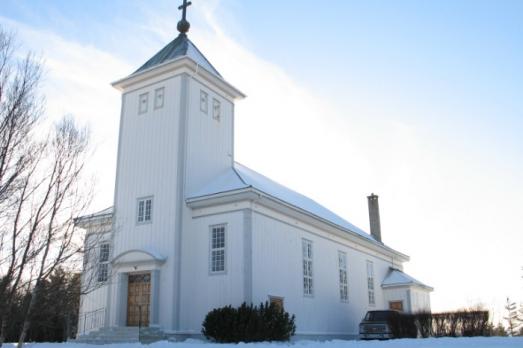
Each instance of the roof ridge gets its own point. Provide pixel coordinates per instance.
(238, 174)
(204, 57)
(181, 46)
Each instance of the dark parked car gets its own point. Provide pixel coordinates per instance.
(378, 325)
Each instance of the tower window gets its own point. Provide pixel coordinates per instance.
(145, 210)
(204, 102)
(216, 109)
(143, 100)
(159, 97)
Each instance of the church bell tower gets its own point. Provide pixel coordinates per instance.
(176, 134)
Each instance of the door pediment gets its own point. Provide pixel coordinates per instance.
(138, 257)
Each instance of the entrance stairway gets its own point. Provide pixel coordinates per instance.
(107, 335)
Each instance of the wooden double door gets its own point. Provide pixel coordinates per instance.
(138, 299)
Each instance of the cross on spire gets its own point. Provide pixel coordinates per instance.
(183, 25)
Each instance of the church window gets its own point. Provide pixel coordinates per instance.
(103, 263)
(216, 109)
(342, 267)
(217, 262)
(143, 101)
(145, 210)
(370, 282)
(204, 102)
(307, 267)
(159, 97)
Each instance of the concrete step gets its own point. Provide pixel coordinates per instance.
(107, 335)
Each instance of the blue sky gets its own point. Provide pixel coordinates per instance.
(418, 101)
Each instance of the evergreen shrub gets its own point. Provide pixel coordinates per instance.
(248, 323)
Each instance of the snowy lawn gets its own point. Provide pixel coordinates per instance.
(475, 342)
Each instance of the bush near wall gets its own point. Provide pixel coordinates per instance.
(463, 323)
(248, 323)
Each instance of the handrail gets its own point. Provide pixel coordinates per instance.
(91, 320)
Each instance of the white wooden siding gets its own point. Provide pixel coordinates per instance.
(209, 142)
(147, 166)
(201, 290)
(277, 271)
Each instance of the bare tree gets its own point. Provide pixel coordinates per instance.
(41, 186)
(512, 318)
(60, 201)
(20, 112)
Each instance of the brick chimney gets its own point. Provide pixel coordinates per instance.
(374, 217)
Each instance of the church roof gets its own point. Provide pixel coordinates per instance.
(180, 47)
(395, 277)
(241, 177)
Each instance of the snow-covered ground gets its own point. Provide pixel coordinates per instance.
(476, 342)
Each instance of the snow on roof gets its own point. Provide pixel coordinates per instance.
(181, 46)
(105, 213)
(395, 277)
(241, 177)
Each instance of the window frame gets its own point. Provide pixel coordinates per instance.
(343, 276)
(307, 271)
(204, 107)
(103, 263)
(156, 94)
(144, 200)
(146, 98)
(371, 293)
(224, 249)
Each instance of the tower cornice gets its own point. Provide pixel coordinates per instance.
(174, 67)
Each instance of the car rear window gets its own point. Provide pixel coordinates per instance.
(378, 316)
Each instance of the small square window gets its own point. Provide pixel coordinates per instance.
(145, 210)
(204, 102)
(159, 97)
(216, 109)
(143, 101)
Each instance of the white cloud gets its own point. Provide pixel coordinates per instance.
(77, 81)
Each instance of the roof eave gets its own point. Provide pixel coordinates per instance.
(174, 64)
(411, 284)
(228, 196)
(86, 221)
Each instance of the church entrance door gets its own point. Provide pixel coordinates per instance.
(138, 299)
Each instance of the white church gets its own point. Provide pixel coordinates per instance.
(192, 230)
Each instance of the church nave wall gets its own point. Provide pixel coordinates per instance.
(278, 271)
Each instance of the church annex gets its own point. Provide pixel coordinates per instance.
(192, 230)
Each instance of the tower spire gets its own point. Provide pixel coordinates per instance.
(183, 25)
